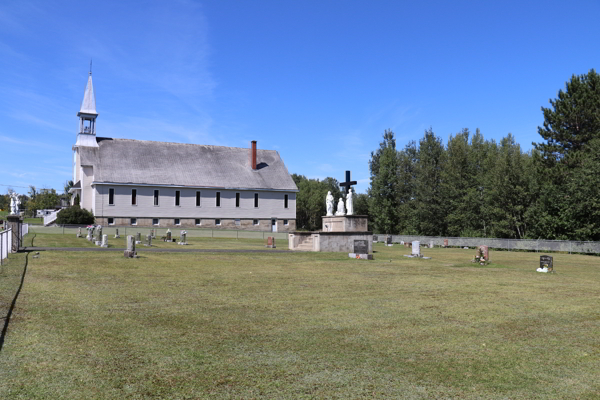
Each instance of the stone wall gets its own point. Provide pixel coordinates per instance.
(264, 225)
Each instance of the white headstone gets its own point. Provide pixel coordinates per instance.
(416, 248)
(104, 241)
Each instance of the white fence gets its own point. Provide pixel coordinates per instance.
(6, 241)
(50, 218)
(5, 244)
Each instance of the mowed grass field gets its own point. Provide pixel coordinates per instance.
(94, 325)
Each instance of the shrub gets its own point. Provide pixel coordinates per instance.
(75, 216)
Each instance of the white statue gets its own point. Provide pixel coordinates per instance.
(349, 205)
(340, 208)
(329, 201)
(14, 203)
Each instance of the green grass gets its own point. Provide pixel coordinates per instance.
(303, 325)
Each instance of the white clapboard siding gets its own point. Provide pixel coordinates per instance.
(271, 204)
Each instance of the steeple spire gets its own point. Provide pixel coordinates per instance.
(87, 115)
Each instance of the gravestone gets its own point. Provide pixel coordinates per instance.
(388, 241)
(445, 242)
(89, 235)
(374, 238)
(547, 262)
(99, 233)
(138, 238)
(361, 250)
(153, 233)
(169, 235)
(183, 240)
(361, 247)
(117, 233)
(270, 242)
(148, 241)
(104, 241)
(79, 232)
(431, 244)
(416, 248)
(484, 251)
(130, 252)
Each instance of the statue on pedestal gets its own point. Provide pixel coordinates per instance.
(349, 205)
(14, 203)
(340, 208)
(329, 202)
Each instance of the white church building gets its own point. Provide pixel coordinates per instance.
(126, 182)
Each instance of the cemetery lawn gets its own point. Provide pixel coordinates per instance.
(94, 325)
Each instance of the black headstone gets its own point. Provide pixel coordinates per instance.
(361, 247)
(546, 261)
(389, 240)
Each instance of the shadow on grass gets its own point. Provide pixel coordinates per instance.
(12, 304)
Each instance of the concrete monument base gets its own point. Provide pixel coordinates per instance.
(15, 222)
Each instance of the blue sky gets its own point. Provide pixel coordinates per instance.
(319, 81)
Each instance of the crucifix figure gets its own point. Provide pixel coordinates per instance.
(347, 185)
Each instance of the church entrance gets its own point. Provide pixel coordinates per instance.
(273, 225)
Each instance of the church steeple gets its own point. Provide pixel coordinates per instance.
(87, 116)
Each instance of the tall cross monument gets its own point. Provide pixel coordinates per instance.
(347, 185)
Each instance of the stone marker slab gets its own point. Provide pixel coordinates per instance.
(445, 242)
(270, 242)
(416, 248)
(548, 262)
(361, 247)
(361, 256)
(485, 252)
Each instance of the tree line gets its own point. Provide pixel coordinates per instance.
(482, 188)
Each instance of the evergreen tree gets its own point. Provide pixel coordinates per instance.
(383, 208)
(429, 200)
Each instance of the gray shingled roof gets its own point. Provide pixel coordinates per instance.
(161, 163)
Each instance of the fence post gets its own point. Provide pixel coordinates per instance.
(570, 247)
(237, 234)
(63, 229)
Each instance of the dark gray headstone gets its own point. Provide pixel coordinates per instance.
(361, 247)
(546, 261)
(389, 240)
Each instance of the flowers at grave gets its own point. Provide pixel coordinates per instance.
(90, 229)
(480, 257)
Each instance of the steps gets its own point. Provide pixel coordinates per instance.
(306, 244)
(50, 218)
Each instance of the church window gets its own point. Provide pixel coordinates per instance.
(134, 197)
(198, 221)
(111, 221)
(156, 193)
(255, 200)
(177, 197)
(237, 199)
(285, 201)
(217, 221)
(254, 222)
(218, 199)
(177, 221)
(154, 221)
(197, 200)
(111, 196)
(133, 221)
(238, 222)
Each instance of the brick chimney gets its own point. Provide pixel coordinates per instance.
(253, 155)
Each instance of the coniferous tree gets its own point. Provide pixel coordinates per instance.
(383, 165)
(429, 207)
